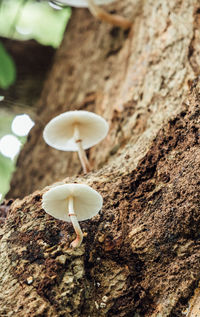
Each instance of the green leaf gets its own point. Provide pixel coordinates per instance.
(7, 68)
(28, 19)
(6, 170)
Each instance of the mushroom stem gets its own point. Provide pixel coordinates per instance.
(113, 19)
(81, 153)
(77, 242)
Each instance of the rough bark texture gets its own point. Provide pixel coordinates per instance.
(136, 81)
(141, 254)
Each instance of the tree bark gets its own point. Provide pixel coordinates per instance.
(140, 256)
(136, 81)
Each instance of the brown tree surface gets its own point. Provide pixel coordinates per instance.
(141, 254)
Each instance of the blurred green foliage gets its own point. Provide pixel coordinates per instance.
(7, 68)
(6, 164)
(6, 169)
(30, 19)
(5, 123)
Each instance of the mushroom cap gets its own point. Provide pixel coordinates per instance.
(59, 132)
(87, 201)
(82, 3)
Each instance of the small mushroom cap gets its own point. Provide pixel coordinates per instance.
(82, 3)
(59, 132)
(87, 201)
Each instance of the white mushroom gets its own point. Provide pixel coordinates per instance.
(76, 131)
(72, 202)
(99, 13)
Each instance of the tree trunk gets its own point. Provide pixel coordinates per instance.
(140, 256)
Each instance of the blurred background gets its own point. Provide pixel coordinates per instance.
(30, 33)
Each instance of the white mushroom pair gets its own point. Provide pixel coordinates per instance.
(76, 131)
(99, 13)
(72, 202)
